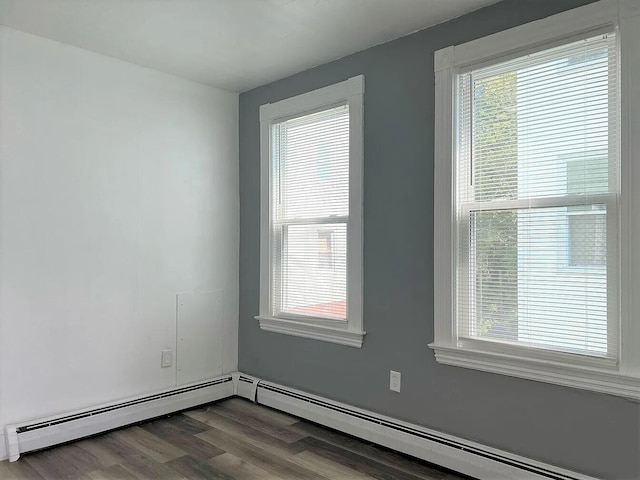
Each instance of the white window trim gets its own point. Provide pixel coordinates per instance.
(345, 333)
(623, 378)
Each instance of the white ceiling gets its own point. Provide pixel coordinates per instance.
(233, 44)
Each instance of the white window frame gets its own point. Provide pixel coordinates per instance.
(349, 332)
(621, 377)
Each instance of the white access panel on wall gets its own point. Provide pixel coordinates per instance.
(199, 318)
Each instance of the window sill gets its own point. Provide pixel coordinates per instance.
(316, 332)
(597, 380)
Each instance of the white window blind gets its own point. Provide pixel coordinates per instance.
(310, 201)
(537, 200)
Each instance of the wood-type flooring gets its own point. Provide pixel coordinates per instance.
(230, 439)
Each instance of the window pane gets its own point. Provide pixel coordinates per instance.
(530, 117)
(538, 130)
(314, 270)
(311, 157)
(311, 185)
(524, 289)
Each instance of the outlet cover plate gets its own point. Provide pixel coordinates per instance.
(394, 381)
(167, 358)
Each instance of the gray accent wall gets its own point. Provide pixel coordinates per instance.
(587, 432)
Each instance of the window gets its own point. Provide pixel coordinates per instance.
(311, 235)
(516, 193)
(531, 224)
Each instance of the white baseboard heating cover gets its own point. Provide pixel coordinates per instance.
(37, 434)
(457, 454)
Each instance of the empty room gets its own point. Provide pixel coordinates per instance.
(319, 239)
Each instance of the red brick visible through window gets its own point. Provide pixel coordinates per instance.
(332, 309)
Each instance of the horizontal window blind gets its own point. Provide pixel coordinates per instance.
(310, 159)
(537, 200)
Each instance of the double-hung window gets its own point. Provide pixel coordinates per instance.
(311, 214)
(532, 248)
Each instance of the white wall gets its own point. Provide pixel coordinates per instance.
(118, 189)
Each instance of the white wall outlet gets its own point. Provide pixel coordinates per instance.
(394, 381)
(167, 358)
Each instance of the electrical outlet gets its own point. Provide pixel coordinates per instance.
(167, 358)
(394, 381)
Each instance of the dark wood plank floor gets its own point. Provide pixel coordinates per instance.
(232, 439)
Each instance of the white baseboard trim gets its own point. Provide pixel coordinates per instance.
(457, 454)
(3, 448)
(41, 433)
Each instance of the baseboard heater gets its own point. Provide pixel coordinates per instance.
(38, 434)
(469, 458)
(457, 454)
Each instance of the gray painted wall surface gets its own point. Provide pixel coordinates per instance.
(593, 433)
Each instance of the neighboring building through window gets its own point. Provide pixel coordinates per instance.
(587, 237)
(586, 225)
(325, 251)
(311, 230)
